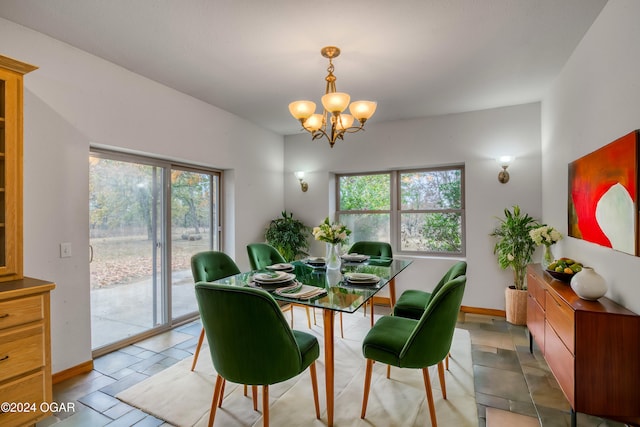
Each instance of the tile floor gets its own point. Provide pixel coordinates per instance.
(513, 387)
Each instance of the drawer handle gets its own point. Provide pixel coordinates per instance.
(2, 316)
(2, 359)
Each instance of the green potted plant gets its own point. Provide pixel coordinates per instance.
(514, 248)
(288, 236)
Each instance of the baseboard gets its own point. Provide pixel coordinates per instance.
(82, 368)
(386, 301)
(485, 311)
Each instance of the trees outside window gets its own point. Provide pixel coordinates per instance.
(418, 211)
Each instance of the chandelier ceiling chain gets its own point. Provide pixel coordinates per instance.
(334, 103)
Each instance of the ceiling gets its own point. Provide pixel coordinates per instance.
(415, 58)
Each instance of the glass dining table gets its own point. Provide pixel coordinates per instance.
(341, 296)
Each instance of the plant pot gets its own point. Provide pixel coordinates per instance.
(516, 305)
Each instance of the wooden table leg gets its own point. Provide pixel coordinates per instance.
(328, 319)
(392, 292)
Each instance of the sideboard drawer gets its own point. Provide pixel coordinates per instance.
(560, 317)
(536, 290)
(29, 390)
(21, 350)
(20, 311)
(561, 362)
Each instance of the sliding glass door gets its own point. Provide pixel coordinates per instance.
(194, 228)
(147, 217)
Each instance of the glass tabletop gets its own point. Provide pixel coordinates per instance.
(341, 294)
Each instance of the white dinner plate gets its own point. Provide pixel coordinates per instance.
(355, 257)
(273, 277)
(280, 267)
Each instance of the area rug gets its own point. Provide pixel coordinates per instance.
(183, 398)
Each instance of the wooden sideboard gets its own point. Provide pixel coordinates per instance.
(25, 351)
(592, 347)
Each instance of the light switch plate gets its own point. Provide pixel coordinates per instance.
(65, 250)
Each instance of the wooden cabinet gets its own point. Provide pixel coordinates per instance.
(11, 72)
(592, 347)
(25, 351)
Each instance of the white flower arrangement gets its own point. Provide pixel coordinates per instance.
(331, 233)
(545, 235)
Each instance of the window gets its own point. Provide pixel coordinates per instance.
(418, 211)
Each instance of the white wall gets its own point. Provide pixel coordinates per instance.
(75, 99)
(475, 139)
(594, 101)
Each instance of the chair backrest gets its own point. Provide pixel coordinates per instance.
(431, 339)
(379, 249)
(208, 266)
(456, 270)
(249, 338)
(262, 255)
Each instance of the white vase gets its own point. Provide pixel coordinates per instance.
(588, 284)
(333, 257)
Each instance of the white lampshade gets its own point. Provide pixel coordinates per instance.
(335, 102)
(344, 121)
(363, 110)
(302, 110)
(505, 161)
(313, 123)
(299, 174)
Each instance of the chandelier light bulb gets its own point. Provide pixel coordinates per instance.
(302, 110)
(335, 102)
(344, 121)
(314, 122)
(363, 110)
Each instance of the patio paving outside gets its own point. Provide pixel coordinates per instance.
(122, 311)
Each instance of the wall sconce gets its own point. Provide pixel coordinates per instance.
(303, 184)
(504, 161)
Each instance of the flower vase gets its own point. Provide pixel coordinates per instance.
(547, 257)
(333, 257)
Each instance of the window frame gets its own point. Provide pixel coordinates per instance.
(395, 212)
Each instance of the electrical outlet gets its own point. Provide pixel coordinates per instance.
(65, 250)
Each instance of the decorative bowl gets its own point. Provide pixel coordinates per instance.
(563, 277)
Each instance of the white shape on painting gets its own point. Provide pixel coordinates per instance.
(615, 216)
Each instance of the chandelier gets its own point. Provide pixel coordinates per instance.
(334, 104)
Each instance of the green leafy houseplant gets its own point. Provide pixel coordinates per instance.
(515, 247)
(288, 236)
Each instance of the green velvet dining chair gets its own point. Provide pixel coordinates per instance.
(208, 266)
(416, 344)
(413, 302)
(262, 255)
(252, 343)
(374, 249)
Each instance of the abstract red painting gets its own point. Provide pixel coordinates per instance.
(603, 195)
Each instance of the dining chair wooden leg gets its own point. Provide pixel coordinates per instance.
(427, 386)
(195, 356)
(245, 390)
(224, 382)
(291, 309)
(388, 372)
(443, 385)
(216, 397)
(314, 384)
(308, 317)
(254, 393)
(367, 384)
(341, 330)
(314, 316)
(372, 313)
(265, 405)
